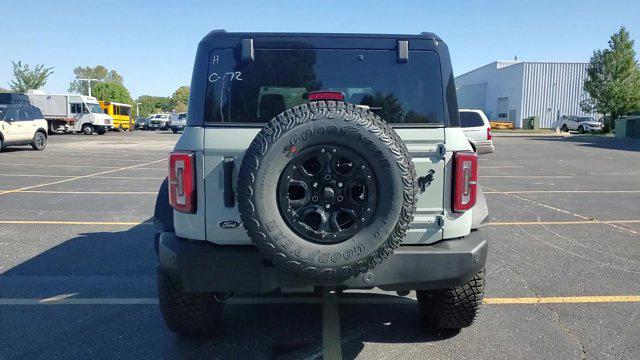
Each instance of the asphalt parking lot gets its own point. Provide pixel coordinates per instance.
(77, 266)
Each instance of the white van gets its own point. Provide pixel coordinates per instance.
(477, 129)
(72, 112)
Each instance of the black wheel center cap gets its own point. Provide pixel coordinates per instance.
(328, 194)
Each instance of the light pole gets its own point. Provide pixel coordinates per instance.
(138, 109)
(88, 83)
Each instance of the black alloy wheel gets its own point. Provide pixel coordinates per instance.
(327, 193)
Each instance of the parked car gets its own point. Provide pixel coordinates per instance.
(178, 122)
(582, 124)
(300, 190)
(477, 129)
(72, 113)
(22, 124)
(159, 121)
(141, 123)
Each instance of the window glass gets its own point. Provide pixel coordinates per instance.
(36, 113)
(23, 115)
(470, 119)
(255, 92)
(11, 114)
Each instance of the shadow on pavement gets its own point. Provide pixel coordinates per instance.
(122, 264)
(597, 141)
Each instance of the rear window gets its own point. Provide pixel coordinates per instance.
(470, 119)
(276, 80)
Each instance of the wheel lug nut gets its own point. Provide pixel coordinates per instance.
(362, 167)
(368, 177)
(361, 219)
(333, 150)
(293, 167)
(368, 210)
(339, 184)
(328, 206)
(339, 198)
(314, 198)
(327, 177)
(322, 151)
(315, 184)
(334, 236)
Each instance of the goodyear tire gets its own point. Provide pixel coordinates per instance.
(359, 161)
(187, 313)
(452, 308)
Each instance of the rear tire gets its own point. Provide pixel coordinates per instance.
(581, 130)
(187, 313)
(87, 129)
(564, 128)
(453, 308)
(175, 131)
(39, 141)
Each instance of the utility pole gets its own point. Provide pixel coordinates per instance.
(138, 109)
(88, 83)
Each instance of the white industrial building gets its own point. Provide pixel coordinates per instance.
(515, 90)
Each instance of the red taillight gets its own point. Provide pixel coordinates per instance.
(465, 180)
(489, 133)
(325, 95)
(182, 181)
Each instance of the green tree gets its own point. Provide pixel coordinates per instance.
(613, 78)
(3, 90)
(111, 91)
(98, 72)
(153, 104)
(180, 99)
(27, 78)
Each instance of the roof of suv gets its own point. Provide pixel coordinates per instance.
(224, 33)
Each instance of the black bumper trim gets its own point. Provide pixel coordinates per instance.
(205, 267)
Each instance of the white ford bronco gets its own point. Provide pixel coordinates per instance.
(313, 160)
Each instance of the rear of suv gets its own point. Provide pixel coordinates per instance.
(477, 128)
(313, 160)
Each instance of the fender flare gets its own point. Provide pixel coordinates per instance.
(163, 213)
(480, 211)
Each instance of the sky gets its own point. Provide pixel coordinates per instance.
(152, 44)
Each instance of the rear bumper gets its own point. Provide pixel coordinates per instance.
(204, 267)
(484, 147)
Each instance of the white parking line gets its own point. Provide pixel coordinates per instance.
(82, 166)
(79, 177)
(94, 177)
(331, 342)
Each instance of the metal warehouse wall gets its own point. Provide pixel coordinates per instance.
(551, 88)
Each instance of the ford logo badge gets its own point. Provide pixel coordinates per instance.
(229, 224)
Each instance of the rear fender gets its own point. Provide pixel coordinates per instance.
(480, 211)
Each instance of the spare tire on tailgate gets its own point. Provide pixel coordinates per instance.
(327, 190)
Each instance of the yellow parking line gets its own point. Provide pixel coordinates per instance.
(561, 300)
(55, 222)
(331, 316)
(528, 176)
(575, 222)
(565, 191)
(79, 177)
